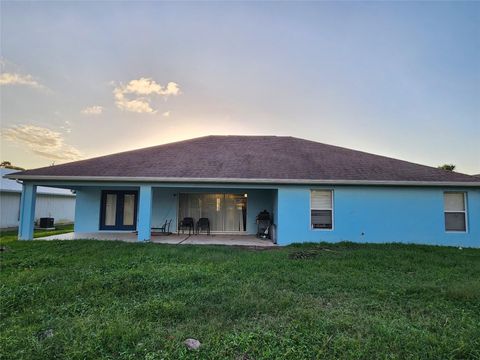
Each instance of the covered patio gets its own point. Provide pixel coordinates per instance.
(174, 239)
(137, 211)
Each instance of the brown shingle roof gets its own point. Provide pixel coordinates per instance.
(251, 157)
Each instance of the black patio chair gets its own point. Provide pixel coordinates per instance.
(187, 223)
(203, 224)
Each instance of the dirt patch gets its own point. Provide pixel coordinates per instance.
(243, 357)
(258, 248)
(45, 334)
(310, 253)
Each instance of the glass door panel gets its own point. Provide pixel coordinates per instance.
(235, 212)
(212, 208)
(110, 209)
(189, 206)
(128, 209)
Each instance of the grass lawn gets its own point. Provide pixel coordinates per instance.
(11, 236)
(113, 300)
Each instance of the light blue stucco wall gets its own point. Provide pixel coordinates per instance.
(376, 214)
(258, 200)
(164, 207)
(87, 210)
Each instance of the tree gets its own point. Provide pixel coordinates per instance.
(8, 165)
(448, 167)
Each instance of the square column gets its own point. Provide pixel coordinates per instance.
(27, 212)
(144, 213)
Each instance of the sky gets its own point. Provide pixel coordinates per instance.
(84, 79)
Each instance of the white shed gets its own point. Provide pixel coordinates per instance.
(51, 202)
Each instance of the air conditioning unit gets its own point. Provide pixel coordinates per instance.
(46, 223)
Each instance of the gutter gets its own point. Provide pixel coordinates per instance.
(38, 193)
(241, 180)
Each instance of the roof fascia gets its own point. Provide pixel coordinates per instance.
(241, 180)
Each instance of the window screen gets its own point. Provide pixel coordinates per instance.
(321, 206)
(455, 211)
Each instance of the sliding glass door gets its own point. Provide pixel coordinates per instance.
(226, 212)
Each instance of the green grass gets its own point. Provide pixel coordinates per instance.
(116, 300)
(11, 235)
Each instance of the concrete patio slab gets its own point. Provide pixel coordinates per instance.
(175, 239)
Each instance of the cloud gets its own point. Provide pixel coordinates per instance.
(167, 113)
(18, 79)
(66, 127)
(139, 105)
(136, 96)
(41, 141)
(93, 110)
(172, 89)
(12, 75)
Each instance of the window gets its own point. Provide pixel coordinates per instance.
(321, 209)
(455, 211)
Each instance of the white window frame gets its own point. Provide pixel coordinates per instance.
(332, 206)
(465, 212)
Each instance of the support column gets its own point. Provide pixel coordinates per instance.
(27, 212)
(145, 213)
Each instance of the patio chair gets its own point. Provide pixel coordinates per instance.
(203, 224)
(187, 223)
(164, 229)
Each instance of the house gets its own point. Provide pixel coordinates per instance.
(315, 192)
(51, 202)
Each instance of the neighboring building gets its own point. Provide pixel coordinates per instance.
(51, 202)
(316, 192)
